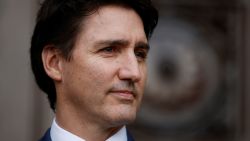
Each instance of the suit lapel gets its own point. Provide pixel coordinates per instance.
(129, 136)
(46, 136)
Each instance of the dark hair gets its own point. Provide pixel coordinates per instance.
(58, 23)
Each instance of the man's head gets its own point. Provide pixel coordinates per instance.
(90, 54)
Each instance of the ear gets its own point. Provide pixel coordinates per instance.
(52, 62)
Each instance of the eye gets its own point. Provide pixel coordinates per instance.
(141, 54)
(108, 49)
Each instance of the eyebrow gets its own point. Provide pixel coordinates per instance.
(112, 42)
(140, 44)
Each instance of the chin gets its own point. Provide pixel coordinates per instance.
(120, 114)
(123, 118)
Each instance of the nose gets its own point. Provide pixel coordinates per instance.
(130, 69)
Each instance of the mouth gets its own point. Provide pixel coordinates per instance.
(124, 94)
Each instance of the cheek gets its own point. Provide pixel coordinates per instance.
(143, 83)
(144, 75)
(99, 73)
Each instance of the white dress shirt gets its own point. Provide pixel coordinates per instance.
(59, 134)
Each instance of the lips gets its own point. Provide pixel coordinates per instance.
(124, 94)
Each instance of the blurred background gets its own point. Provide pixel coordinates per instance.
(199, 74)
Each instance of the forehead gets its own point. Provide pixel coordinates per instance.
(113, 21)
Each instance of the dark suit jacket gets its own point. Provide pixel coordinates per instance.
(46, 137)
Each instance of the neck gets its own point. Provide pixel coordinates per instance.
(84, 128)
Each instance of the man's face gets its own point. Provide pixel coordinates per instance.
(104, 80)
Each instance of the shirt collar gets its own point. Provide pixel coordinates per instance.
(59, 134)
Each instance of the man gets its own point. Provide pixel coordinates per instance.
(89, 57)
